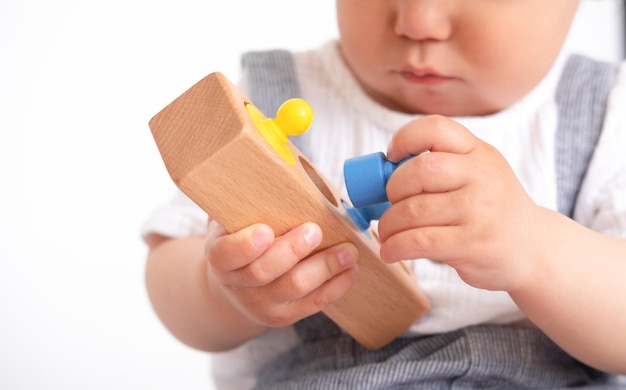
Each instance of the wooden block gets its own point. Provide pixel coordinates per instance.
(216, 155)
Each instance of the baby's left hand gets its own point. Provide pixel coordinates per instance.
(460, 203)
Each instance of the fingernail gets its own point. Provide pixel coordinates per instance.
(260, 238)
(345, 258)
(312, 235)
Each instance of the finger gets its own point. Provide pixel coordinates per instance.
(421, 211)
(326, 294)
(433, 172)
(439, 243)
(285, 313)
(311, 273)
(285, 252)
(434, 133)
(229, 252)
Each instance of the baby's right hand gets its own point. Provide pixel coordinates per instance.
(270, 279)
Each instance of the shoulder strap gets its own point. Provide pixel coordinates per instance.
(581, 98)
(272, 79)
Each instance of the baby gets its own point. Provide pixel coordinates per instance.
(525, 279)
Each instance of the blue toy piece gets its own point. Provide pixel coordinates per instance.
(362, 217)
(366, 178)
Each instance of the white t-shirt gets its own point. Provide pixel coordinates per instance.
(348, 123)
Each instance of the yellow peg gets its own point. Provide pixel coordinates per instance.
(293, 118)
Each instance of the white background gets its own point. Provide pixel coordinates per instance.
(79, 171)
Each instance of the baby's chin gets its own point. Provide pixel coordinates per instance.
(453, 100)
(452, 106)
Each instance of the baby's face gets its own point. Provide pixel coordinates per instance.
(451, 57)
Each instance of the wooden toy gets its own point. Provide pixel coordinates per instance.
(240, 168)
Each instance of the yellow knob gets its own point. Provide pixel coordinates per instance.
(293, 118)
